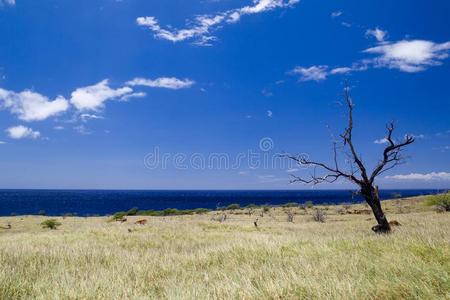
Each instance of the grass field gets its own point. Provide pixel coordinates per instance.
(194, 257)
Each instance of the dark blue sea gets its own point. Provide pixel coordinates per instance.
(104, 202)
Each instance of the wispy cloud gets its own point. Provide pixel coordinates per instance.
(315, 73)
(377, 33)
(381, 141)
(32, 106)
(133, 95)
(200, 29)
(406, 56)
(163, 82)
(86, 117)
(336, 14)
(92, 98)
(269, 114)
(409, 56)
(22, 132)
(433, 176)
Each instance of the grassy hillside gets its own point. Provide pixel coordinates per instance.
(194, 257)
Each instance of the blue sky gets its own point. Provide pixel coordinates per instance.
(94, 93)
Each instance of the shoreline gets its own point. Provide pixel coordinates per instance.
(233, 208)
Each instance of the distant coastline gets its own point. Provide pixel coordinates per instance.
(106, 202)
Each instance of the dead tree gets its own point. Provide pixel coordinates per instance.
(356, 171)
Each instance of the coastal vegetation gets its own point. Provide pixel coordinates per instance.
(51, 224)
(158, 213)
(191, 256)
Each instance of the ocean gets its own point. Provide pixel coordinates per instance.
(105, 202)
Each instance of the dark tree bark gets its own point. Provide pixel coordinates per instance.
(356, 172)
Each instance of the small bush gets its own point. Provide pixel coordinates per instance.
(396, 195)
(233, 206)
(441, 202)
(266, 208)
(290, 204)
(200, 211)
(309, 204)
(319, 215)
(132, 212)
(42, 212)
(51, 224)
(252, 205)
(119, 216)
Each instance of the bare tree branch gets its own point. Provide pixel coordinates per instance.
(331, 173)
(391, 154)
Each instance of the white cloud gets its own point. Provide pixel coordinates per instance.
(31, 106)
(269, 114)
(342, 70)
(406, 56)
(58, 127)
(377, 33)
(86, 117)
(163, 82)
(22, 132)
(93, 97)
(424, 177)
(381, 141)
(133, 95)
(202, 25)
(316, 73)
(418, 136)
(336, 14)
(409, 56)
(2, 143)
(292, 170)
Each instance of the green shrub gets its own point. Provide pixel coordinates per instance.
(233, 206)
(266, 208)
(396, 195)
(252, 205)
(200, 211)
(441, 201)
(119, 215)
(290, 204)
(309, 204)
(171, 212)
(132, 212)
(51, 224)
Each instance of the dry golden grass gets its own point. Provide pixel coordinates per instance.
(192, 257)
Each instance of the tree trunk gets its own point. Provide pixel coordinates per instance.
(372, 198)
